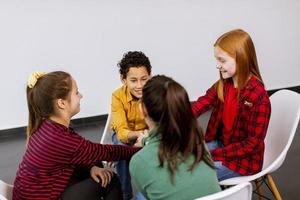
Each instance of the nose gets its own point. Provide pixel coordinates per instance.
(218, 66)
(139, 84)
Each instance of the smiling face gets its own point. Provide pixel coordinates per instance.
(225, 64)
(136, 79)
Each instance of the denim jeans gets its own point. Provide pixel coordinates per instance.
(223, 172)
(122, 167)
(139, 196)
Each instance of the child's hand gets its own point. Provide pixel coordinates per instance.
(104, 174)
(138, 142)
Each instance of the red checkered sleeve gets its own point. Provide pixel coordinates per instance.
(204, 103)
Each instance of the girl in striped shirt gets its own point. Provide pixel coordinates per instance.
(58, 163)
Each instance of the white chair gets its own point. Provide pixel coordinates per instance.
(106, 135)
(106, 138)
(6, 191)
(242, 191)
(283, 123)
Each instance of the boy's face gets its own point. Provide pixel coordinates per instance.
(136, 79)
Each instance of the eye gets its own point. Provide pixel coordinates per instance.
(221, 60)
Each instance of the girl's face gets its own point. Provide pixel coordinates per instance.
(136, 79)
(73, 105)
(225, 64)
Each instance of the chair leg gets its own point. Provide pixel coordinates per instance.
(259, 188)
(273, 187)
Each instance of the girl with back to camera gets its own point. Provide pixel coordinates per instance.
(240, 108)
(174, 163)
(57, 161)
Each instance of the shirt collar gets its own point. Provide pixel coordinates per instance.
(129, 96)
(252, 82)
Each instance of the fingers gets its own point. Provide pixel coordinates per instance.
(146, 131)
(106, 176)
(95, 178)
(93, 173)
(138, 144)
(103, 174)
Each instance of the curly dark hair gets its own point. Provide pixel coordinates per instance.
(133, 59)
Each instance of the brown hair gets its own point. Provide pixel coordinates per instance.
(238, 44)
(167, 104)
(40, 98)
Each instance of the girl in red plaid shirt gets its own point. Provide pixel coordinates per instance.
(240, 108)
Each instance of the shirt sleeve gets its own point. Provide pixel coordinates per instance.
(88, 153)
(204, 103)
(119, 119)
(256, 131)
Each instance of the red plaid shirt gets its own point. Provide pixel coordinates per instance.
(243, 149)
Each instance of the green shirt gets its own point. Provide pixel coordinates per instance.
(154, 182)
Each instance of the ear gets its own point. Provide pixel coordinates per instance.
(123, 80)
(61, 103)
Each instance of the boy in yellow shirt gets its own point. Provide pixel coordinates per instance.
(127, 120)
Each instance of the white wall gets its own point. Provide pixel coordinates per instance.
(88, 37)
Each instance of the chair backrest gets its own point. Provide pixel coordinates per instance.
(106, 135)
(283, 123)
(203, 120)
(5, 191)
(242, 191)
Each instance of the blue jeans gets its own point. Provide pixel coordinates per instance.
(223, 172)
(122, 167)
(139, 196)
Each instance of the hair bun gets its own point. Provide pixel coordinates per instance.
(33, 78)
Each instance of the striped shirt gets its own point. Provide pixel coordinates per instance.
(52, 154)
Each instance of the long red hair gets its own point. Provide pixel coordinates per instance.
(238, 44)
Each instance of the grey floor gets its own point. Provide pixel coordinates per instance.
(286, 177)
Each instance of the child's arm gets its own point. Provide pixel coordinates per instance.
(204, 103)
(88, 153)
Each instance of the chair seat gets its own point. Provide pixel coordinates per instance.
(6, 191)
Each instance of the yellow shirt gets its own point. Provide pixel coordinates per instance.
(126, 114)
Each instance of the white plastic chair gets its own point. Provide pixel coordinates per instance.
(283, 123)
(6, 191)
(242, 191)
(106, 135)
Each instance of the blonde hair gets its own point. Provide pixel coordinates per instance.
(238, 44)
